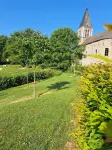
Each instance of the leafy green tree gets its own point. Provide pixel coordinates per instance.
(3, 40)
(11, 50)
(41, 53)
(41, 49)
(25, 52)
(64, 43)
(18, 47)
(23, 45)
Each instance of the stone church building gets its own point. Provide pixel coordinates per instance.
(99, 44)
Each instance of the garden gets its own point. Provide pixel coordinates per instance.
(72, 107)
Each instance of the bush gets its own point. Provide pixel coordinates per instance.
(93, 114)
(8, 82)
(78, 69)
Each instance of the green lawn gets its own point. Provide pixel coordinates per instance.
(43, 123)
(14, 70)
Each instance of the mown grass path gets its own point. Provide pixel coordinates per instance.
(43, 123)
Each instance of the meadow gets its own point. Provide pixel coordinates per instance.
(14, 70)
(43, 123)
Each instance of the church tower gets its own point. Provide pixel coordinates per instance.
(85, 29)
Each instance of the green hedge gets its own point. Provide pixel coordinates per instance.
(93, 114)
(8, 82)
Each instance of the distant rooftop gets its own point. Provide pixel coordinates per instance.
(101, 36)
(86, 22)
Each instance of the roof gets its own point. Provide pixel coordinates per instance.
(101, 36)
(86, 22)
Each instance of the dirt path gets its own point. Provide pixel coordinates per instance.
(30, 97)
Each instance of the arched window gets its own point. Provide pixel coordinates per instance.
(96, 51)
(106, 51)
(86, 33)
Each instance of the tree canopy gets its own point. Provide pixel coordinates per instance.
(30, 47)
(3, 40)
(65, 44)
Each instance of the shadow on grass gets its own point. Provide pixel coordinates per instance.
(58, 86)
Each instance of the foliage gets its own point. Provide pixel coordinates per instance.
(3, 40)
(65, 48)
(42, 123)
(26, 47)
(79, 69)
(94, 112)
(41, 50)
(108, 26)
(30, 47)
(12, 81)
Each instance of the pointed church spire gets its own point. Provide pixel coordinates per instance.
(85, 29)
(86, 22)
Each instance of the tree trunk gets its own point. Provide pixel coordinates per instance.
(74, 69)
(34, 82)
(27, 75)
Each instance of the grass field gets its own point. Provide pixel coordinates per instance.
(43, 123)
(14, 70)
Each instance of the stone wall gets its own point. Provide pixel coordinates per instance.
(99, 47)
(90, 60)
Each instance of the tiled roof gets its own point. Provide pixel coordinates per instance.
(86, 22)
(101, 36)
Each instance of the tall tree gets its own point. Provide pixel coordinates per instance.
(64, 42)
(18, 47)
(11, 50)
(3, 40)
(41, 49)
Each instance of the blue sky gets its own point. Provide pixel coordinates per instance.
(48, 15)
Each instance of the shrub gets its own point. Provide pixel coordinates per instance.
(77, 69)
(8, 82)
(93, 114)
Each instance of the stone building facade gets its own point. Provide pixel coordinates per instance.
(99, 44)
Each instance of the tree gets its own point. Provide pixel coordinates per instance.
(41, 49)
(11, 50)
(18, 46)
(41, 53)
(3, 40)
(22, 45)
(64, 42)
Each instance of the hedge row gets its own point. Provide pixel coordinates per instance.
(93, 114)
(8, 82)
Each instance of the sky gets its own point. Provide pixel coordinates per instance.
(49, 15)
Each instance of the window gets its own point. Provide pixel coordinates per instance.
(85, 32)
(106, 51)
(88, 32)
